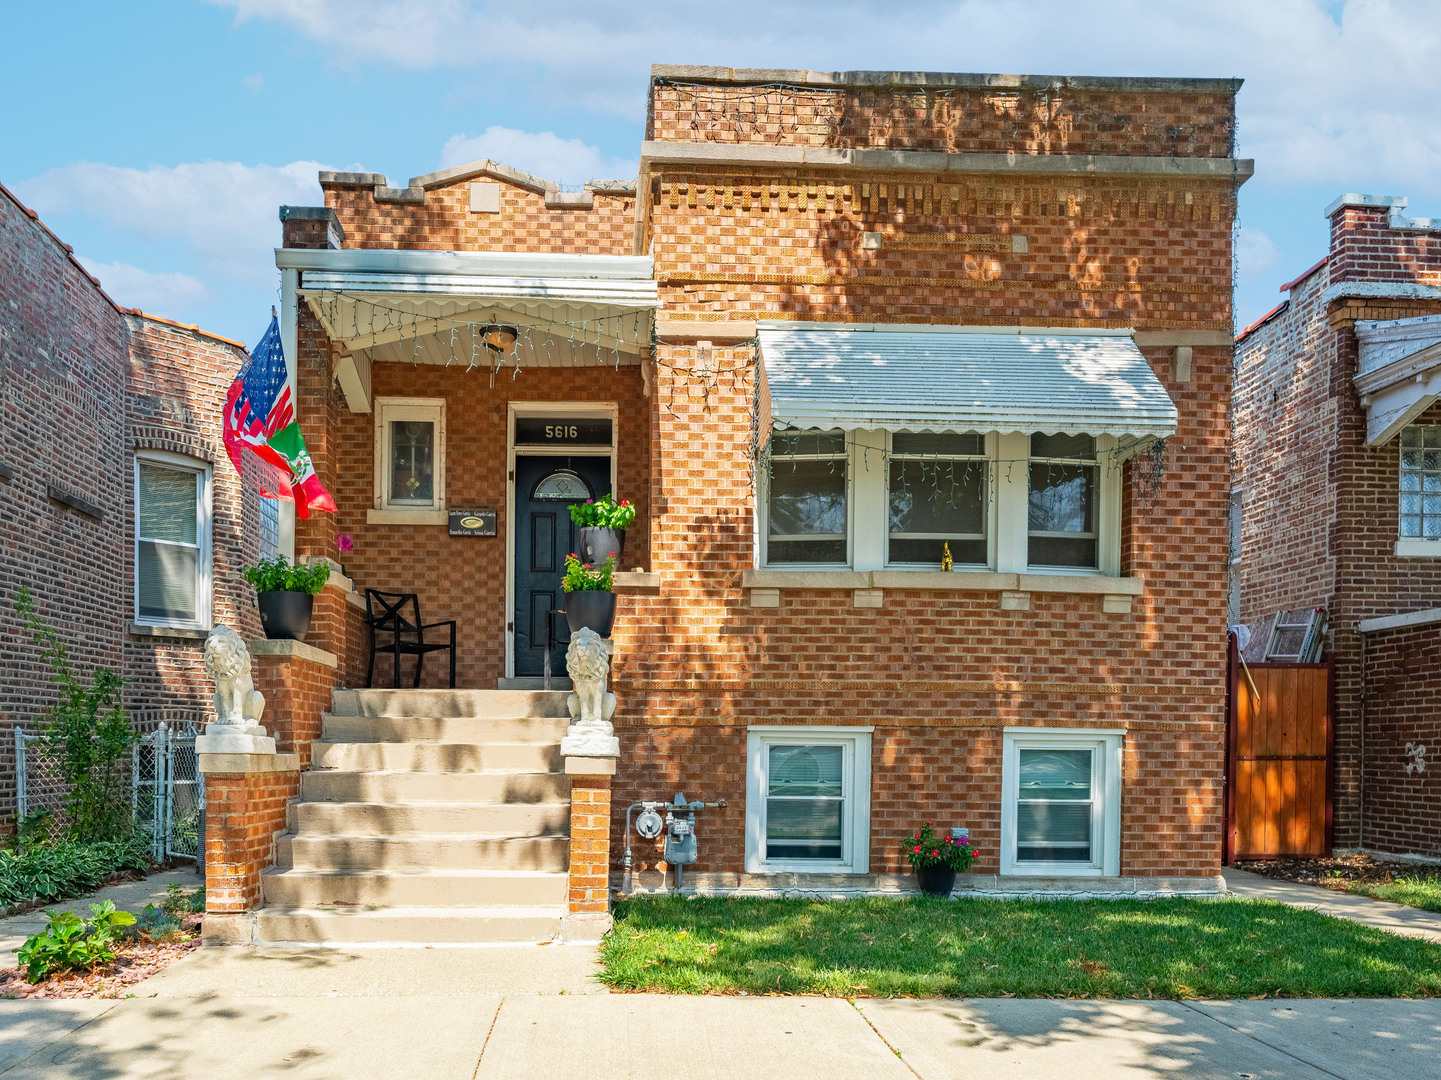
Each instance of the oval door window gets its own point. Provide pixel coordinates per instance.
(561, 486)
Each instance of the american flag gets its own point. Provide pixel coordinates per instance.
(261, 434)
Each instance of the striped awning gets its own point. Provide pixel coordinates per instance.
(958, 379)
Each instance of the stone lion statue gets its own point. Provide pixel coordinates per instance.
(587, 661)
(228, 662)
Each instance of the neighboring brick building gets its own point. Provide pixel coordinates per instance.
(84, 386)
(1337, 475)
(998, 292)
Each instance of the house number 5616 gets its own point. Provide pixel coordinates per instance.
(562, 431)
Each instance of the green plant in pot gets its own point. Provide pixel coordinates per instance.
(602, 524)
(285, 593)
(589, 594)
(937, 859)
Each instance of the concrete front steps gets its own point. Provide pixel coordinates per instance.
(427, 817)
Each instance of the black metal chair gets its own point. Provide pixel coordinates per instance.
(385, 613)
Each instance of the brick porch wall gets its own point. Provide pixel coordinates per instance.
(244, 812)
(1403, 707)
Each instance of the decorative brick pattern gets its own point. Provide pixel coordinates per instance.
(590, 830)
(244, 812)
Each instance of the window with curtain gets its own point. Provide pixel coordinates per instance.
(1054, 805)
(1064, 476)
(171, 571)
(412, 462)
(937, 496)
(807, 497)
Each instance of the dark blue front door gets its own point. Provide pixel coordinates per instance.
(544, 489)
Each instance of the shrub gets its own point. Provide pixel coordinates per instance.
(90, 735)
(154, 923)
(281, 575)
(179, 902)
(926, 849)
(604, 513)
(582, 577)
(69, 942)
(68, 868)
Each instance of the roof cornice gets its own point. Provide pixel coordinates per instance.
(936, 80)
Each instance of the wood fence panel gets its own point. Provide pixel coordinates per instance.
(1279, 745)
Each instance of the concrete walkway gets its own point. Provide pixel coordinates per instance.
(523, 1012)
(1382, 914)
(129, 896)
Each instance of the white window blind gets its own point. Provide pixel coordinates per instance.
(170, 570)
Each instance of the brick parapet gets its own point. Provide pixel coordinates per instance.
(244, 812)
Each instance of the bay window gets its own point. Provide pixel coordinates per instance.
(172, 541)
(807, 514)
(938, 498)
(1062, 527)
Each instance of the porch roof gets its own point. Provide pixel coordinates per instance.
(1005, 379)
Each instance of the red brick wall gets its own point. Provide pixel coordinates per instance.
(1403, 712)
(244, 812)
(1320, 518)
(178, 379)
(590, 820)
(297, 691)
(62, 416)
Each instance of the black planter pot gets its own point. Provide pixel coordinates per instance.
(594, 608)
(285, 614)
(596, 544)
(936, 880)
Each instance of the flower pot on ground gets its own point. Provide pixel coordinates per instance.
(285, 593)
(937, 859)
(602, 523)
(589, 599)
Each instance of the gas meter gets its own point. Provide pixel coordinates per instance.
(649, 823)
(679, 848)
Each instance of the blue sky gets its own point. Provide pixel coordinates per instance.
(159, 138)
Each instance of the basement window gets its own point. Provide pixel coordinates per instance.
(1061, 802)
(808, 800)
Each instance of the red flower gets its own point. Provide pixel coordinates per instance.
(934, 854)
(612, 554)
(916, 849)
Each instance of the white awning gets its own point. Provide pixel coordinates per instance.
(959, 379)
(1399, 374)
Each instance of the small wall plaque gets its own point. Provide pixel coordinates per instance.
(472, 522)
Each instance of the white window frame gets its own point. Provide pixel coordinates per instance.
(846, 458)
(987, 460)
(203, 527)
(1412, 546)
(407, 512)
(1108, 511)
(855, 787)
(1106, 759)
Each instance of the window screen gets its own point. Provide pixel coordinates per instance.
(1053, 808)
(167, 572)
(1063, 491)
(807, 501)
(937, 495)
(804, 802)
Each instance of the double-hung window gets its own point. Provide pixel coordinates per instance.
(1421, 482)
(1063, 503)
(172, 542)
(410, 456)
(938, 497)
(807, 514)
(1061, 802)
(808, 800)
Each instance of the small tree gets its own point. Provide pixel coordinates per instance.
(88, 732)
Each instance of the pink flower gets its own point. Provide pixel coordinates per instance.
(344, 543)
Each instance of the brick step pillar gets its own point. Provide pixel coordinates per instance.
(588, 909)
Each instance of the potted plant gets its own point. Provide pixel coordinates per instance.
(589, 599)
(603, 523)
(285, 593)
(936, 859)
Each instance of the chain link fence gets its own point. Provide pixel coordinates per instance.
(167, 792)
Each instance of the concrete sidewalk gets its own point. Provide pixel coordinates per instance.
(520, 1012)
(1382, 914)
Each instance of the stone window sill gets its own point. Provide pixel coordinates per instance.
(868, 586)
(181, 633)
(1421, 549)
(637, 579)
(407, 517)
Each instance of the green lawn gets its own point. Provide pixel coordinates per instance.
(921, 947)
(1422, 891)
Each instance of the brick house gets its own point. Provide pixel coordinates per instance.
(839, 323)
(1337, 447)
(110, 420)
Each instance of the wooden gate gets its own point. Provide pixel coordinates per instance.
(1279, 752)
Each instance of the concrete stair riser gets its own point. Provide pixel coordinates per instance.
(413, 788)
(482, 730)
(412, 853)
(450, 926)
(375, 819)
(436, 757)
(443, 703)
(436, 889)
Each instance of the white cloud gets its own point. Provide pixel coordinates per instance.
(1255, 253)
(225, 211)
(544, 154)
(1338, 91)
(157, 294)
(254, 82)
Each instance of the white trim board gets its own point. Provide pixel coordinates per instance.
(1398, 622)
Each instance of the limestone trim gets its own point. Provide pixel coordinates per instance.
(941, 80)
(1423, 617)
(240, 764)
(284, 647)
(943, 581)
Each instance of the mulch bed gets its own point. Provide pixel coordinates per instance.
(1335, 873)
(134, 962)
